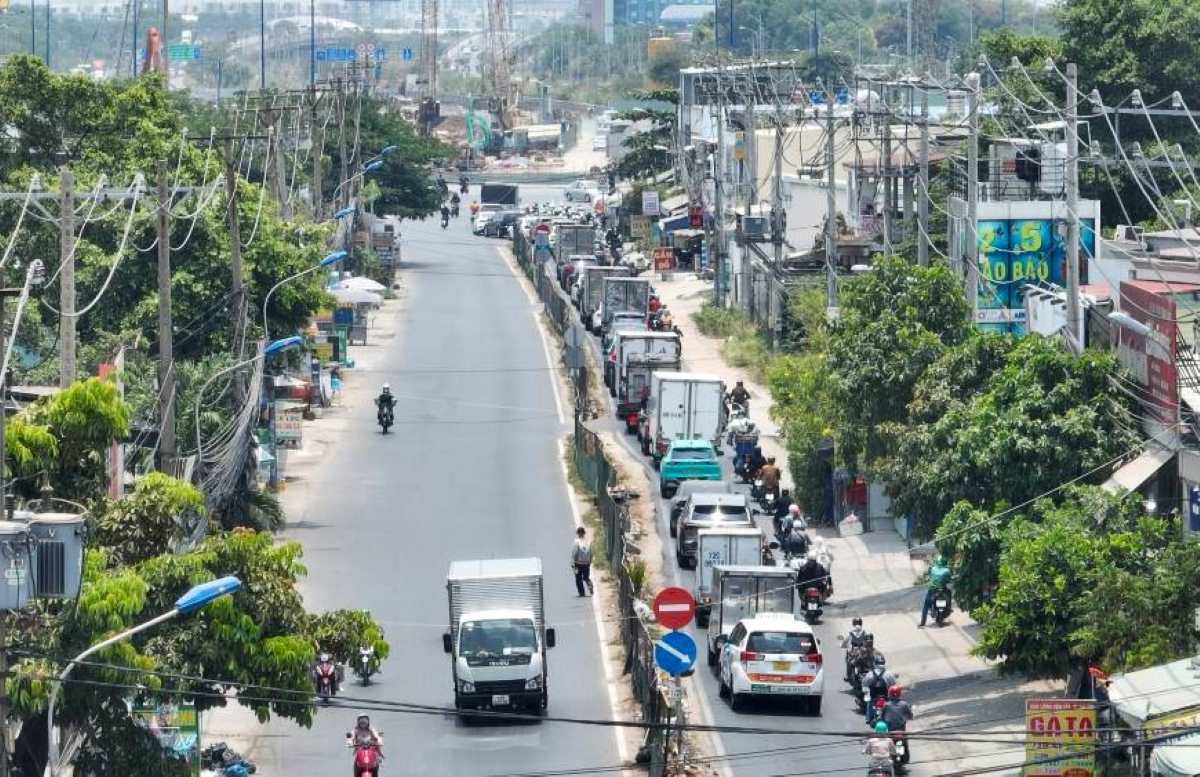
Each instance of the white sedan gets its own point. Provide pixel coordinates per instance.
(581, 191)
(772, 655)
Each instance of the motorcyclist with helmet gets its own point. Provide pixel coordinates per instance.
(811, 574)
(896, 713)
(385, 402)
(880, 749)
(365, 736)
(853, 643)
(876, 682)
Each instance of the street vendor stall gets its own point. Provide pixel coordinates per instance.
(1155, 702)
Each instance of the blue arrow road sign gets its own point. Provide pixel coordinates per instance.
(675, 653)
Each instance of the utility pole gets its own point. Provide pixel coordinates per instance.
(343, 159)
(923, 180)
(237, 281)
(66, 287)
(831, 231)
(719, 207)
(318, 155)
(281, 192)
(777, 214)
(166, 45)
(166, 339)
(908, 32)
(972, 237)
(1072, 185)
(885, 175)
(816, 32)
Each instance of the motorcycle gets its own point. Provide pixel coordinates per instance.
(366, 757)
(881, 770)
(902, 754)
(454, 211)
(223, 760)
(365, 666)
(941, 605)
(811, 605)
(756, 489)
(385, 418)
(445, 221)
(326, 675)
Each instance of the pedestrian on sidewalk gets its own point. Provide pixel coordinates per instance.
(335, 383)
(581, 563)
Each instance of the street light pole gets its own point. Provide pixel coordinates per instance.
(262, 45)
(190, 602)
(333, 258)
(312, 43)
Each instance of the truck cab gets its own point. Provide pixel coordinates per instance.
(740, 592)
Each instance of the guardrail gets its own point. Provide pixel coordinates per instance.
(599, 476)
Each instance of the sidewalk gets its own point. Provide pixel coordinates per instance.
(875, 578)
(235, 724)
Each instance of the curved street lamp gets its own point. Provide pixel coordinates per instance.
(195, 598)
(332, 258)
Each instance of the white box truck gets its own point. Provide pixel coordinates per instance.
(593, 286)
(635, 358)
(743, 592)
(682, 406)
(722, 547)
(498, 636)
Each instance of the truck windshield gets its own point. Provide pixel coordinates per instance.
(505, 637)
(735, 511)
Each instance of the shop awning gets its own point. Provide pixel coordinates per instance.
(1131, 476)
(1166, 692)
(1179, 758)
(672, 204)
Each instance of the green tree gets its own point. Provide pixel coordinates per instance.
(648, 152)
(894, 322)
(1043, 418)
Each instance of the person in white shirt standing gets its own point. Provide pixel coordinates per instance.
(581, 563)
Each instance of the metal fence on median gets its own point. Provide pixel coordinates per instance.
(599, 477)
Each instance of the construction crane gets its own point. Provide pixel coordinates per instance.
(428, 110)
(498, 76)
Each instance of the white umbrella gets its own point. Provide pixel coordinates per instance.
(360, 282)
(356, 297)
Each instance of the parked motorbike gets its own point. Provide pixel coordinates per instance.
(366, 757)
(364, 667)
(220, 758)
(811, 605)
(941, 605)
(385, 418)
(326, 675)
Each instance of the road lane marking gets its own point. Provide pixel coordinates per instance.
(601, 632)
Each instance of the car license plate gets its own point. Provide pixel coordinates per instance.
(500, 700)
(781, 666)
(941, 603)
(812, 605)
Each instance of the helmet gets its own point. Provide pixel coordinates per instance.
(879, 659)
(881, 727)
(812, 555)
(794, 509)
(856, 622)
(363, 721)
(387, 389)
(894, 692)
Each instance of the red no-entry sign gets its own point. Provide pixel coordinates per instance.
(674, 607)
(542, 228)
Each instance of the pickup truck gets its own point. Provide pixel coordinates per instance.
(687, 460)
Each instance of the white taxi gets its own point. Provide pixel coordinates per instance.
(772, 654)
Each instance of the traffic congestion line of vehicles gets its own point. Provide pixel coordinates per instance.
(757, 610)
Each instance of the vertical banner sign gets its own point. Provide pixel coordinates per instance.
(1020, 252)
(1063, 730)
(115, 457)
(1151, 357)
(649, 202)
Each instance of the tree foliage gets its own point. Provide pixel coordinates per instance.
(648, 152)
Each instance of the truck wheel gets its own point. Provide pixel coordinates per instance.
(701, 618)
(664, 490)
(645, 444)
(655, 461)
(712, 656)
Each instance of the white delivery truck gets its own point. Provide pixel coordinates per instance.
(635, 358)
(498, 637)
(682, 406)
(592, 287)
(728, 546)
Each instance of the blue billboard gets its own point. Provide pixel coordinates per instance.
(1019, 252)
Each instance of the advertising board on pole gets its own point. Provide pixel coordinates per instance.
(1151, 357)
(650, 206)
(176, 727)
(1061, 735)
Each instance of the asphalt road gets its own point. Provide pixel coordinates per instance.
(472, 471)
(755, 754)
